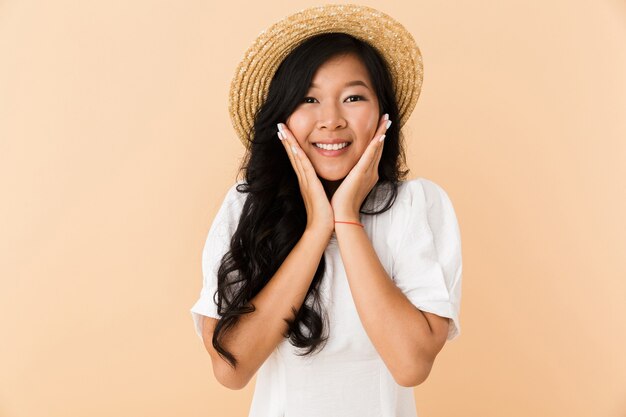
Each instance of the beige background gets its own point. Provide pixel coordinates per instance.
(116, 150)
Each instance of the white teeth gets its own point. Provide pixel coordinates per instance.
(333, 147)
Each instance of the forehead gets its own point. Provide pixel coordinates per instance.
(340, 68)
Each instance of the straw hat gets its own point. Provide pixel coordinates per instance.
(249, 86)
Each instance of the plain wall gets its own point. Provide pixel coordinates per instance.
(116, 150)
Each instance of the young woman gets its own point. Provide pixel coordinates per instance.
(326, 273)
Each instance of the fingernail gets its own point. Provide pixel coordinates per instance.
(279, 135)
(293, 149)
(381, 138)
(388, 124)
(386, 116)
(280, 126)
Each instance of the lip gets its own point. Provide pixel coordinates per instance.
(338, 152)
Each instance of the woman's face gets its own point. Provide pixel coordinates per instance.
(340, 107)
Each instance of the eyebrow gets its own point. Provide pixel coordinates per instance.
(348, 84)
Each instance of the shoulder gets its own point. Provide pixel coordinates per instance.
(232, 204)
(421, 191)
(233, 194)
(424, 200)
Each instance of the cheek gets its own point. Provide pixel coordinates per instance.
(300, 125)
(367, 119)
(368, 124)
(372, 125)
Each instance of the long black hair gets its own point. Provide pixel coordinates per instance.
(273, 217)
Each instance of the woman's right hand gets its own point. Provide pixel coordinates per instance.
(319, 212)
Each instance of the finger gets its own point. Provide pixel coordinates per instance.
(369, 155)
(290, 154)
(287, 147)
(308, 171)
(363, 164)
(307, 167)
(376, 150)
(299, 155)
(383, 125)
(379, 153)
(382, 129)
(296, 153)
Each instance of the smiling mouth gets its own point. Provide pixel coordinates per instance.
(333, 147)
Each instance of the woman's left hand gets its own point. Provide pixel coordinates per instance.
(347, 199)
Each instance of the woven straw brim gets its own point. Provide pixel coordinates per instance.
(254, 73)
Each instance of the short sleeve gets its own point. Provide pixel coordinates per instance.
(427, 262)
(216, 245)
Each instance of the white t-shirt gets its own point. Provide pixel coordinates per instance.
(418, 243)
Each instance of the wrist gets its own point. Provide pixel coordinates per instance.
(347, 217)
(318, 232)
(349, 223)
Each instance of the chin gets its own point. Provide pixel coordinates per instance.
(330, 173)
(336, 177)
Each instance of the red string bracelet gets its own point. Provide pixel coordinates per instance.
(358, 224)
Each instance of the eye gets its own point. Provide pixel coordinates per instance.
(355, 97)
(360, 98)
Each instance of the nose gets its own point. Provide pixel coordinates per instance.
(330, 117)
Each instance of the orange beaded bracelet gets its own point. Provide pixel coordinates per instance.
(358, 224)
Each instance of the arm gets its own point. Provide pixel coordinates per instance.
(257, 334)
(407, 339)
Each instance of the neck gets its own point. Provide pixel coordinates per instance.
(330, 187)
